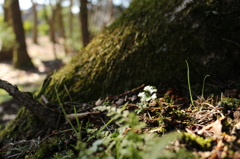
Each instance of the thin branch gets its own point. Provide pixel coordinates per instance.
(49, 116)
(73, 116)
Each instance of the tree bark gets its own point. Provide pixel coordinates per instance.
(6, 50)
(51, 22)
(84, 22)
(35, 22)
(70, 19)
(109, 14)
(70, 29)
(61, 25)
(21, 58)
(7, 13)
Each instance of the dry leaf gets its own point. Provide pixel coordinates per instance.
(214, 128)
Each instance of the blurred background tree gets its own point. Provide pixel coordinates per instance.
(69, 23)
(21, 58)
(84, 22)
(35, 22)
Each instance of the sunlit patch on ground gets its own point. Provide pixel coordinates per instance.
(18, 76)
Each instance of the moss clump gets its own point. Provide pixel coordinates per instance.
(197, 141)
(229, 103)
(25, 126)
(47, 148)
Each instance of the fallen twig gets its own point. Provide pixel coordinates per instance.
(72, 117)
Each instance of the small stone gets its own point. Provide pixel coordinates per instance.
(133, 98)
(152, 103)
(99, 102)
(119, 102)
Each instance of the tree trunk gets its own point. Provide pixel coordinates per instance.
(21, 58)
(7, 14)
(35, 22)
(51, 23)
(6, 49)
(61, 26)
(60, 19)
(70, 19)
(70, 29)
(109, 14)
(84, 22)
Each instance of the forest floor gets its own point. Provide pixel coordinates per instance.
(45, 61)
(209, 126)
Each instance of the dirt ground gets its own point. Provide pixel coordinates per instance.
(43, 58)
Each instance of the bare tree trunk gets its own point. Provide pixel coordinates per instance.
(84, 22)
(35, 22)
(7, 14)
(50, 22)
(70, 19)
(109, 14)
(61, 25)
(111, 9)
(21, 58)
(59, 17)
(70, 27)
(6, 52)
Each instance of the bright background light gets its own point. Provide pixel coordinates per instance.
(26, 4)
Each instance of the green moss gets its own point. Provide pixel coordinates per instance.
(149, 44)
(197, 141)
(24, 126)
(46, 148)
(229, 103)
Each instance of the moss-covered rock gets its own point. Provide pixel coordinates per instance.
(149, 44)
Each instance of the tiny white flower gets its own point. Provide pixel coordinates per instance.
(150, 89)
(141, 95)
(154, 96)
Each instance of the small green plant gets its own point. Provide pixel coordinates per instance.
(204, 85)
(126, 141)
(189, 85)
(77, 132)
